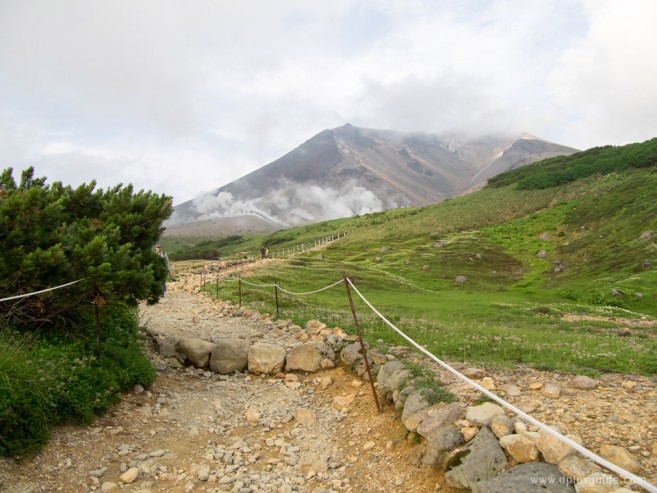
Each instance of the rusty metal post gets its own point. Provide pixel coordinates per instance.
(276, 294)
(360, 339)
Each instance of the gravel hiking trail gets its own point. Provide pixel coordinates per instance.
(197, 431)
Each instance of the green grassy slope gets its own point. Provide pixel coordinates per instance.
(529, 257)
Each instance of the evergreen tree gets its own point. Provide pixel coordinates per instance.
(54, 234)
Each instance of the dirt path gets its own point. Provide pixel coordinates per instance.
(196, 431)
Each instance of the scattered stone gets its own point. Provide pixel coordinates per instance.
(306, 417)
(512, 390)
(130, 476)
(474, 373)
(484, 413)
(551, 391)
(488, 383)
(584, 383)
(621, 457)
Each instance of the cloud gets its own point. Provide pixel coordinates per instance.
(607, 80)
(290, 205)
(182, 97)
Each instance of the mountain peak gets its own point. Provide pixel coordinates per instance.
(349, 170)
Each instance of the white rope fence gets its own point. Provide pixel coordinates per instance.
(42, 291)
(311, 292)
(257, 285)
(584, 451)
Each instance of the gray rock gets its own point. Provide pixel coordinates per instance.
(418, 400)
(584, 383)
(391, 376)
(440, 418)
(481, 459)
(351, 354)
(439, 444)
(230, 355)
(197, 351)
(527, 478)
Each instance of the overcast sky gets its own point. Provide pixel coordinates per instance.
(181, 97)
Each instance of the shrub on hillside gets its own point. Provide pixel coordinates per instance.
(54, 379)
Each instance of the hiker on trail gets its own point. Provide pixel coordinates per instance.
(160, 253)
(262, 251)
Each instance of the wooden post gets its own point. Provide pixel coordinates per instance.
(362, 345)
(276, 294)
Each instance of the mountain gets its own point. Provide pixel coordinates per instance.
(348, 170)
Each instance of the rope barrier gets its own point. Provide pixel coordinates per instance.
(596, 458)
(258, 285)
(42, 291)
(312, 292)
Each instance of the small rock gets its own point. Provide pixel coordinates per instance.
(520, 447)
(621, 457)
(484, 413)
(501, 426)
(130, 475)
(584, 383)
(488, 383)
(512, 390)
(551, 391)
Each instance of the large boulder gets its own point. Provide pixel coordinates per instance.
(196, 351)
(390, 377)
(266, 358)
(527, 478)
(479, 460)
(230, 355)
(308, 356)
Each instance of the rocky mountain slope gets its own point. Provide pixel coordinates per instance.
(349, 170)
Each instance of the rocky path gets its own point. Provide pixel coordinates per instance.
(197, 431)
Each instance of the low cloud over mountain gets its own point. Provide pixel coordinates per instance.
(350, 170)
